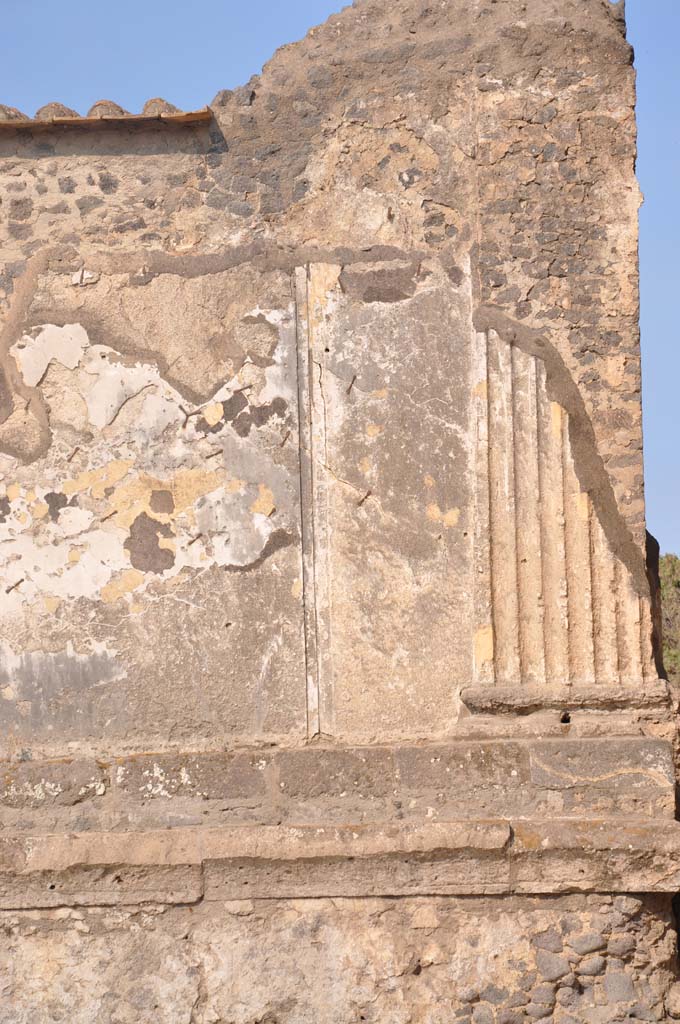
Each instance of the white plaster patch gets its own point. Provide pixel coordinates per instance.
(37, 791)
(113, 384)
(33, 354)
(145, 438)
(280, 382)
(84, 277)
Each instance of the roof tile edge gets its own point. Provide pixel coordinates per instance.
(107, 120)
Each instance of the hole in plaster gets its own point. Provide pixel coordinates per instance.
(565, 718)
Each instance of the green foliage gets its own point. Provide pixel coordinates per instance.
(669, 569)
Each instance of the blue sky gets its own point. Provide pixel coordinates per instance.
(131, 50)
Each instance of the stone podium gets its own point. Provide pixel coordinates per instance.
(330, 675)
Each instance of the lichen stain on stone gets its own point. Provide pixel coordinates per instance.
(143, 545)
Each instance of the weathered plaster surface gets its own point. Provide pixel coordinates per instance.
(448, 173)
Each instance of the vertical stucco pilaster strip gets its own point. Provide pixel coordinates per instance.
(628, 627)
(529, 558)
(503, 531)
(577, 533)
(483, 652)
(553, 562)
(322, 282)
(604, 603)
(649, 673)
(307, 503)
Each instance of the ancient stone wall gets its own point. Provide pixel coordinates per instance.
(328, 649)
(573, 959)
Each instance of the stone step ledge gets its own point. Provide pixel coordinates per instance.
(274, 862)
(568, 698)
(605, 778)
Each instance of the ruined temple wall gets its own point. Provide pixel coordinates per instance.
(327, 648)
(577, 958)
(456, 500)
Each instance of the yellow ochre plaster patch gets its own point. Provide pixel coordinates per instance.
(97, 480)
(484, 645)
(212, 414)
(264, 503)
(191, 484)
(448, 519)
(188, 485)
(323, 279)
(584, 506)
(124, 583)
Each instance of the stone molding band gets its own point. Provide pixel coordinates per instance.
(288, 862)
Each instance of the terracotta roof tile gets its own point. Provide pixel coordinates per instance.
(106, 108)
(11, 114)
(159, 106)
(52, 110)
